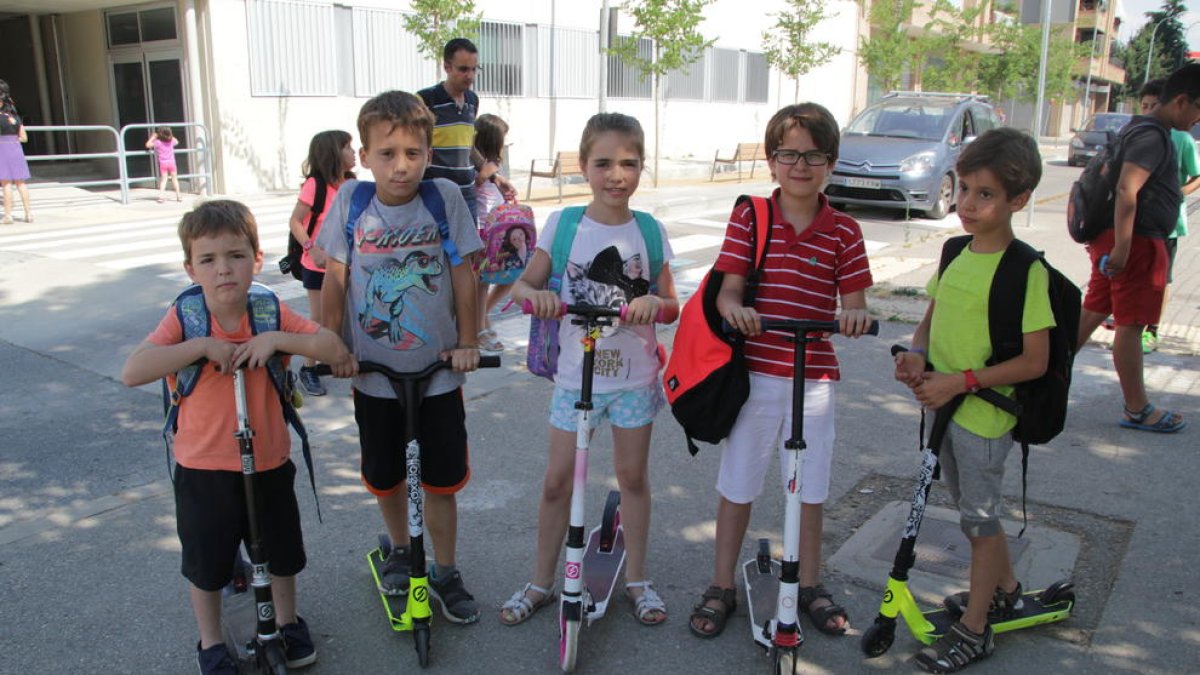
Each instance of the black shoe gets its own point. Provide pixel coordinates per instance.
(298, 644)
(311, 382)
(395, 572)
(458, 606)
(956, 650)
(215, 660)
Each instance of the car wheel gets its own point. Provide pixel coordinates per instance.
(945, 198)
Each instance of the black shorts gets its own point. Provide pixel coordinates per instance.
(210, 514)
(442, 435)
(310, 279)
(1172, 244)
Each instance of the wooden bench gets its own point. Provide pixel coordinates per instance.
(565, 164)
(746, 152)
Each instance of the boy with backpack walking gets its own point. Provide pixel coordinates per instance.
(1129, 258)
(997, 174)
(400, 289)
(222, 255)
(815, 255)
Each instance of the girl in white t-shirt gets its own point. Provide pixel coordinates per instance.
(608, 265)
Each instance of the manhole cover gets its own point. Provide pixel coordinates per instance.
(943, 549)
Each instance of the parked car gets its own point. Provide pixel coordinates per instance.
(900, 151)
(1092, 138)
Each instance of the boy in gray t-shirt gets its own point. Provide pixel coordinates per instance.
(399, 299)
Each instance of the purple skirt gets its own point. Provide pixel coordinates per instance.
(12, 159)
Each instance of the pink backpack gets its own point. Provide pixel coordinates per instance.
(509, 238)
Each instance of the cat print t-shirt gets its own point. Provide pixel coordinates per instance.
(399, 301)
(608, 265)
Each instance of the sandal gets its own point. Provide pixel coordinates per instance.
(717, 616)
(488, 342)
(823, 615)
(519, 607)
(648, 608)
(956, 650)
(1168, 423)
(7, 220)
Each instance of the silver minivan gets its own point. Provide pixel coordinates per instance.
(900, 151)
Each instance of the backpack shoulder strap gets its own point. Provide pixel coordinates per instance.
(318, 206)
(359, 201)
(431, 197)
(764, 217)
(950, 251)
(564, 237)
(195, 322)
(1006, 301)
(654, 245)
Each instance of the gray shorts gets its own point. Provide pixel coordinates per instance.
(973, 468)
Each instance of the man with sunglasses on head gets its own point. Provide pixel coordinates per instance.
(454, 106)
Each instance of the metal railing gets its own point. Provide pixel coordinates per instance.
(122, 153)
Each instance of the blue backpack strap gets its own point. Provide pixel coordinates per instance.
(364, 192)
(560, 248)
(194, 321)
(431, 196)
(654, 246)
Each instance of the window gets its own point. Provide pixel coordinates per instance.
(501, 54)
(385, 55)
(625, 80)
(687, 83)
(291, 48)
(757, 77)
(136, 27)
(574, 64)
(725, 72)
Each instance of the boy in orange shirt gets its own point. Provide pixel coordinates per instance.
(221, 255)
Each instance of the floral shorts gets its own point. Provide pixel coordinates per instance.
(627, 409)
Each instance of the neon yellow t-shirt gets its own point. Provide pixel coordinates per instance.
(958, 330)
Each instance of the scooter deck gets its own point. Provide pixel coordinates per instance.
(1033, 612)
(393, 605)
(762, 596)
(601, 570)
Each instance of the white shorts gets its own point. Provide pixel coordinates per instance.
(762, 428)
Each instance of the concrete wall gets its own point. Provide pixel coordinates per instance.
(89, 78)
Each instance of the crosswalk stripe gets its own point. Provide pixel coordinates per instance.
(57, 236)
(268, 246)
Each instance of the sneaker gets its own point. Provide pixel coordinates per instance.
(311, 382)
(393, 575)
(488, 342)
(1003, 605)
(956, 650)
(458, 606)
(1109, 323)
(1149, 342)
(215, 660)
(297, 644)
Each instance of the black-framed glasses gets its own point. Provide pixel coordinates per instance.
(791, 157)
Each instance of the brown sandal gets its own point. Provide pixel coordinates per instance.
(718, 616)
(821, 616)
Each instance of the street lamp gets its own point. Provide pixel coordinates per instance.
(1150, 54)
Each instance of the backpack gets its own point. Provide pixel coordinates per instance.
(502, 266)
(706, 378)
(430, 196)
(1040, 404)
(1091, 206)
(290, 263)
(262, 305)
(542, 354)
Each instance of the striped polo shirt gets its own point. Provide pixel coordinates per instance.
(802, 278)
(453, 137)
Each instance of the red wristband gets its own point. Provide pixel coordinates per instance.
(973, 385)
(308, 245)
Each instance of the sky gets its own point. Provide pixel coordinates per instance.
(1135, 16)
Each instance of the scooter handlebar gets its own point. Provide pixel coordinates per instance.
(590, 311)
(801, 327)
(373, 367)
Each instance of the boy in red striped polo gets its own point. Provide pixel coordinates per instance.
(814, 257)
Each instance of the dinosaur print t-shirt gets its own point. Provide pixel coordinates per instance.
(400, 301)
(608, 265)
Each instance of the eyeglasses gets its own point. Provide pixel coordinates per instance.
(791, 157)
(467, 69)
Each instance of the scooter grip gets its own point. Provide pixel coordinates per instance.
(658, 318)
(527, 307)
(489, 361)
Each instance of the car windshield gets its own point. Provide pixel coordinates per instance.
(1107, 122)
(925, 120)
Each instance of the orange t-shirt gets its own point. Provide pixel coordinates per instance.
(208, 416)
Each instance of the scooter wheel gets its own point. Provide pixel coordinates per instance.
(276, 662)
(1059, 591)
(878, 638)
(568, 645)
(385, 546)
(784, 661)
(421, 642)
(611, 521)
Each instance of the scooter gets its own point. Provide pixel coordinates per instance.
(1054, 603)
(774, 585)
(264, 649)
(591, 568)
(410, 612)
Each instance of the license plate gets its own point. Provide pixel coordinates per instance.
(872, 183)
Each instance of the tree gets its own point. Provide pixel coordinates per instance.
(671, 26)
(1170, 47)
(436, 22)
(1013, 71)
(789, 44)
(948, 66)
(889, 49)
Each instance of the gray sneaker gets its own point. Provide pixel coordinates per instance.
(311, 382)
(394, 574)
(458, 606)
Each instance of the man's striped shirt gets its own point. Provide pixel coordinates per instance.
(802, 278)
(453, 138)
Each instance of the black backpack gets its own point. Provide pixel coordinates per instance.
(1041, 404)
(1093, 201)
(290, 263)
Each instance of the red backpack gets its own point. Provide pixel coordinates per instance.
(706, 378)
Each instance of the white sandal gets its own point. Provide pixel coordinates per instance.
(519, 607)
(647, 604)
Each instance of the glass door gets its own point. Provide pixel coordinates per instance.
(165, 76)
(131, 96)
(148, 88)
